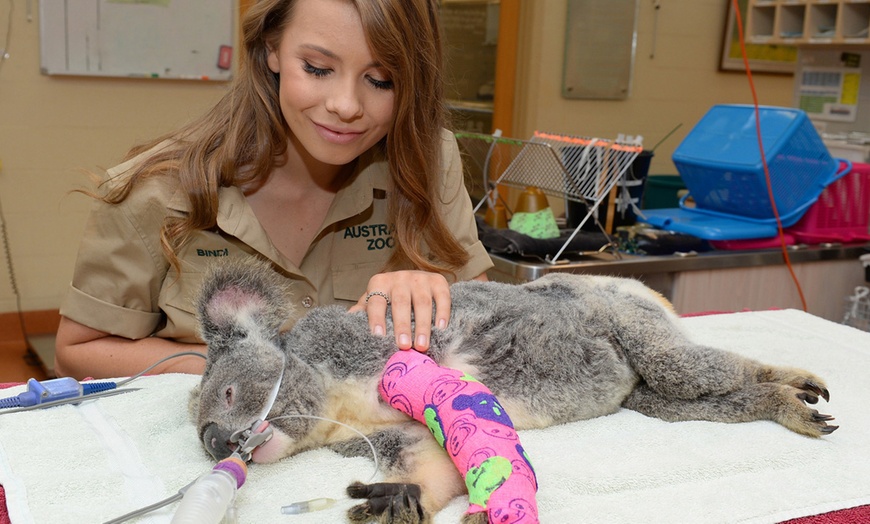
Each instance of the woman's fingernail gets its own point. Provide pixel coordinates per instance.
(404, 341)
(379, 330)
(442, 323)
(422, 341)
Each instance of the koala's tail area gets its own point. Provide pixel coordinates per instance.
(238, 290)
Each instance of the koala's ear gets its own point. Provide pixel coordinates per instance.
(239, 296)
(193, 403)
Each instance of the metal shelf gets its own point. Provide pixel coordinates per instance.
(581, 169)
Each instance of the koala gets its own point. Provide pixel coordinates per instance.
(558, 349)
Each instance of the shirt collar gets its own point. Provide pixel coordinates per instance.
(371, 175)
(235, 216)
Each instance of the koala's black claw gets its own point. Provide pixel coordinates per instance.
(826, 394)
(819, 390)
(819, 417)
(827, 430)
(357, 490)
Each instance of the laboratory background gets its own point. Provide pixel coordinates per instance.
(532, 71)
(716, 150)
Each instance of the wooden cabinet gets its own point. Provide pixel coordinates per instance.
(808, 22)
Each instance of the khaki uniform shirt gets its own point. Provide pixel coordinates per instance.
(124, 285)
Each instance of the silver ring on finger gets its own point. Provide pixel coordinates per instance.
(378, 293)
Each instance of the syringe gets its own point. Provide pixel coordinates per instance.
(307, 506)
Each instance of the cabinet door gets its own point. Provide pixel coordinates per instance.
(599, 49)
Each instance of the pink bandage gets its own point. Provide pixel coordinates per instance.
(469, 423)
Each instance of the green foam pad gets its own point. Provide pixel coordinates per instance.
(540, 224)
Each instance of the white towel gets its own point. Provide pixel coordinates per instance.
(106, 457)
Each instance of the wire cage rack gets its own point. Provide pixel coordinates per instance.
(580, 169)
(858, 309)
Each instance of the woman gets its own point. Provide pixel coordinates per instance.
(327, 157)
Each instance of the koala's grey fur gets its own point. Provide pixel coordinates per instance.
(559, 349)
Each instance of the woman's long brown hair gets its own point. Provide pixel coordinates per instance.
(241, 139)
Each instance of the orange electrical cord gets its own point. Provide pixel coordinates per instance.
(779, 227)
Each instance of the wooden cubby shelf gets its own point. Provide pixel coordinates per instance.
(808, 22)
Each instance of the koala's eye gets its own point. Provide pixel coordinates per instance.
(229, 395)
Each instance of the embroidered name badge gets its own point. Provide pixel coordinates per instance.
(376, 236)
(213, 252)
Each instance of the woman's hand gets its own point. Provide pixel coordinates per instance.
(420, 292)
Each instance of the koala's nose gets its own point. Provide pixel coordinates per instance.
(217, 441)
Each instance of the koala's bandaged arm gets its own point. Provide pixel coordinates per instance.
(470, 424)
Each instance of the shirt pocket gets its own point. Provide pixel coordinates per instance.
(349, 282)
(178, 302)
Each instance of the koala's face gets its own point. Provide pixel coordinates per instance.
(240, 309)
(234, 390)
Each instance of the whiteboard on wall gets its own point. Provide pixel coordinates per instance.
(180, 39)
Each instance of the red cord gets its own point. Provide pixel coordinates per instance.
(779, 227)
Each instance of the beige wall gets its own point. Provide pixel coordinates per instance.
(51, 128)
(677, 86)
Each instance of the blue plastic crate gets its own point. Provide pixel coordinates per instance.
(715, 225)
(720, 163)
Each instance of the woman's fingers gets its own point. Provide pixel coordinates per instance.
(412, 297)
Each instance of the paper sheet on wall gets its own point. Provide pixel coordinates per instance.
(830, 93)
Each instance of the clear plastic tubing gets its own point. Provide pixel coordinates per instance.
(207, 500)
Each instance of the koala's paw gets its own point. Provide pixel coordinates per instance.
(387, 503)
(799, 417)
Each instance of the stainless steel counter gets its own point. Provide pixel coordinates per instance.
(522, 270)
(721, 280)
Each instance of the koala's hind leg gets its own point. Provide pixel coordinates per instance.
(675, 367)
(779, 402)
(686, 381)
(420, 479)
